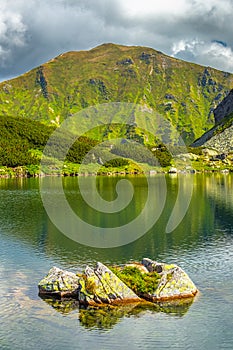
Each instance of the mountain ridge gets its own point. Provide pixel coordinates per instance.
(183, 92)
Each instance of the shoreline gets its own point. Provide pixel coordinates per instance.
(13, 173)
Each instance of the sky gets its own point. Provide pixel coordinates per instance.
(35, 31)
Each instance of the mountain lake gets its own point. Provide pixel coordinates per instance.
(202, 244)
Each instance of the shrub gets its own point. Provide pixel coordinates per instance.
(116, 162)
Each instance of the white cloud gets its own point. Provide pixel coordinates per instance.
(213, 53)
(138, 8)
(186, 45)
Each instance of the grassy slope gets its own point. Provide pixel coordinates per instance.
(182, 91)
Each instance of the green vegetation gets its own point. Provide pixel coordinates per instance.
(18, 137)
(116, 162)
(34, 104)
(196, 150)
(163, 156)
(182, 92)
(140, 283)
(135, 151)
(22, 142)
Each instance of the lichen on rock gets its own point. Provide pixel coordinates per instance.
(59, 282)
(92, 290)
(101, 285)
(174, 282)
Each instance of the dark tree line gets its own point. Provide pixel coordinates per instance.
(19, 136)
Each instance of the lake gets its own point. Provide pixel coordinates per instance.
(202, 244)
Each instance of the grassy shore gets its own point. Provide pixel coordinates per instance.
(201, 164)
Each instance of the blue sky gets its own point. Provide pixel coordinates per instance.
(32, 31)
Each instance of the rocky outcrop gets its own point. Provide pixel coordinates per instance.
(60, 283)
(222, 142)
(41, 80)
(102, 286)
(224, 108)
(220, 136)
(174, 282)
(172, 170)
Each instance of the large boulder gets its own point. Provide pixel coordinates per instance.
(101, 285)
(174, 282)
(59, 283)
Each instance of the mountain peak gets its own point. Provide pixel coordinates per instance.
(183, 92)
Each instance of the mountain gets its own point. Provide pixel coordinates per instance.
(185, 93)
(220, 137)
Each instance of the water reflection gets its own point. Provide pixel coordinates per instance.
(106, 317)
(24, 218)
(64, 306)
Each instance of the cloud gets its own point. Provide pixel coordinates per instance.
(215, 53)
(32, 32)
(146, 8)
(12, 34)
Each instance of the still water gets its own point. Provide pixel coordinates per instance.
(202, 244)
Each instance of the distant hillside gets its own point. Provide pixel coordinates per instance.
(185, 93)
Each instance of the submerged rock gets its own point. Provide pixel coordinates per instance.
(102, 286)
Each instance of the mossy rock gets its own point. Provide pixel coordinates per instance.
(137, 279)
(101, 285)
(59, 282)
(174, 282)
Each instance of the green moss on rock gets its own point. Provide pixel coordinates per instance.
(138, 281)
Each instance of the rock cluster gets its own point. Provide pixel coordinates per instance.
(102, 286)
(222, 142)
